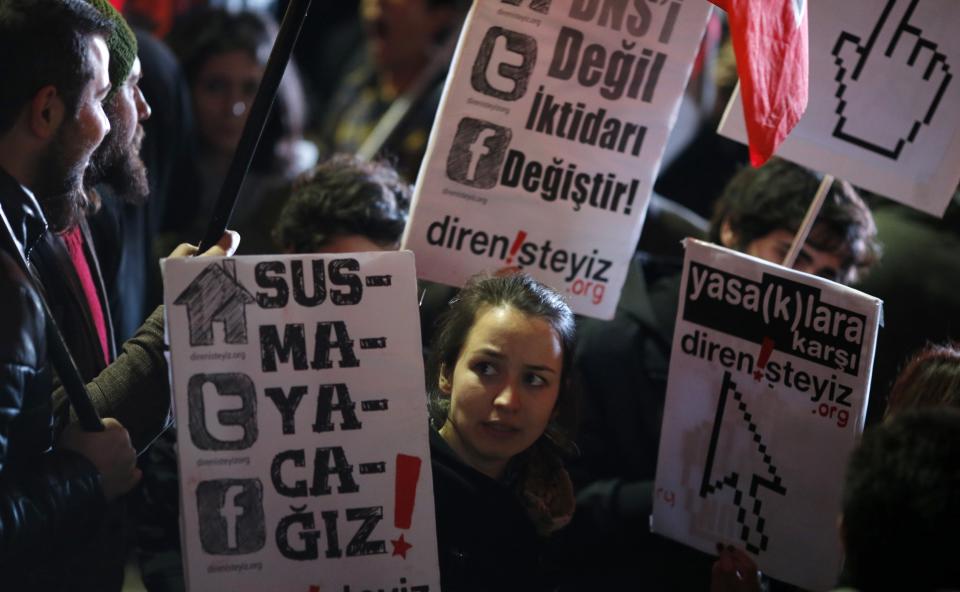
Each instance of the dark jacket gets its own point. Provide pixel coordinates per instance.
(917, 281)
(624, 365)
(124, 233)
(133, 388)
(49, 499)
(486, 540)
(68, 302)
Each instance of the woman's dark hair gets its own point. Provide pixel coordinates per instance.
(930, 379)
(900, 504)
(526, 295)
(758, 201)
(45, 43)
(206, 32)
(343, 195)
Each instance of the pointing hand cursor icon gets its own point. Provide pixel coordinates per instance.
(896, 75)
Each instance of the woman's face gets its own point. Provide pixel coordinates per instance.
(503, 388)
(222, 96)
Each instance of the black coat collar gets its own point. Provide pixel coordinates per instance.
(24, 213)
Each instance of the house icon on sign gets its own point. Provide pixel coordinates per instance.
(215, 296)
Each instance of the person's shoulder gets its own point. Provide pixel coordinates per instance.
(448, 469)
(638, 312)
(9, 268)
(21, 324)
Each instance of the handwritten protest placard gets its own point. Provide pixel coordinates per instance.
(884, 107)
(548, 139)
(769, 376)
(299, 398)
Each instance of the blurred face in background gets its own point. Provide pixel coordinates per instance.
(222, 96)
(401, 33)
(775, 245)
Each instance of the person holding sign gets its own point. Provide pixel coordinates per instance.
(624, 362)
(501, 382)
(54, 485)
(52, 119)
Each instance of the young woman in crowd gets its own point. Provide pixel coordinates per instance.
(501, 394)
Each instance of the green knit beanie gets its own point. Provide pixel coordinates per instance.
(122, 44)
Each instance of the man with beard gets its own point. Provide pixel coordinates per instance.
(126, 227)
(52, 498)
(131, 386)
(117, 161)
(67, 261)
(117, 184)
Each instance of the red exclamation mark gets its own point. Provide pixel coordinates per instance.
(517, 243)
(765, 350)
(408, 473)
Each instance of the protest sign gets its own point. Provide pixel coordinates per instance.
(883, 110)
(302, 423)
(769, 376)
(548, 139)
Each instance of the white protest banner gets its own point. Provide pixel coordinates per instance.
(302, 423)
(769, 376)
(884, 110)
(548, 140)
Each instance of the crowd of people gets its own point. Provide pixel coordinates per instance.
(544, 426)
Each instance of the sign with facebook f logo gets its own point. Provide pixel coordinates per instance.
(477, 153)
(231, 516)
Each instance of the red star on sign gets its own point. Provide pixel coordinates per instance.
(400, 546)
(314, 588)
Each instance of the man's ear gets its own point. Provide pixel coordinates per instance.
(46, 112)
(728, 237)
(444, 382)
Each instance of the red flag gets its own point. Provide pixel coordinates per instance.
(770, 43)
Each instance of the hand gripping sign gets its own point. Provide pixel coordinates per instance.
(766, 395)
(298, 384)
(884, 107)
